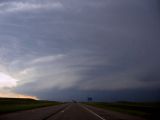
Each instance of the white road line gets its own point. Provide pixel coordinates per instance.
(59, 113)
(66, 109)
(93, 112)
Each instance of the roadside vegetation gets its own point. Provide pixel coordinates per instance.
(8, 105)
(147, 110)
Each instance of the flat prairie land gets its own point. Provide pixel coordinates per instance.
(8, 105)
(144, 109)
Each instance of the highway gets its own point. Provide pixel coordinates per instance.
(70, 111)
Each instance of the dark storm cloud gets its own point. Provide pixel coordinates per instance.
(98, 46)
(139, 94)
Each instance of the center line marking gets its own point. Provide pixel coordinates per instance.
(93, 113)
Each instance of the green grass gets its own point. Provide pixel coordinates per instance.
(8, 105)
(147, 110)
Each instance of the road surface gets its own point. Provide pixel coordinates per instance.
(71, 111)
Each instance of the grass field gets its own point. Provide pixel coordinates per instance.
(147, 110)
(17, 104)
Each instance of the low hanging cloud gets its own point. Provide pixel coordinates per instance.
(22, 6)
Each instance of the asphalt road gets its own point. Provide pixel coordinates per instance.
(71, 111)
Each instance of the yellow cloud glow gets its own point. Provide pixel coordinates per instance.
(9, 94)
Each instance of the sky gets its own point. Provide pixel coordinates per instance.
(74, 49)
